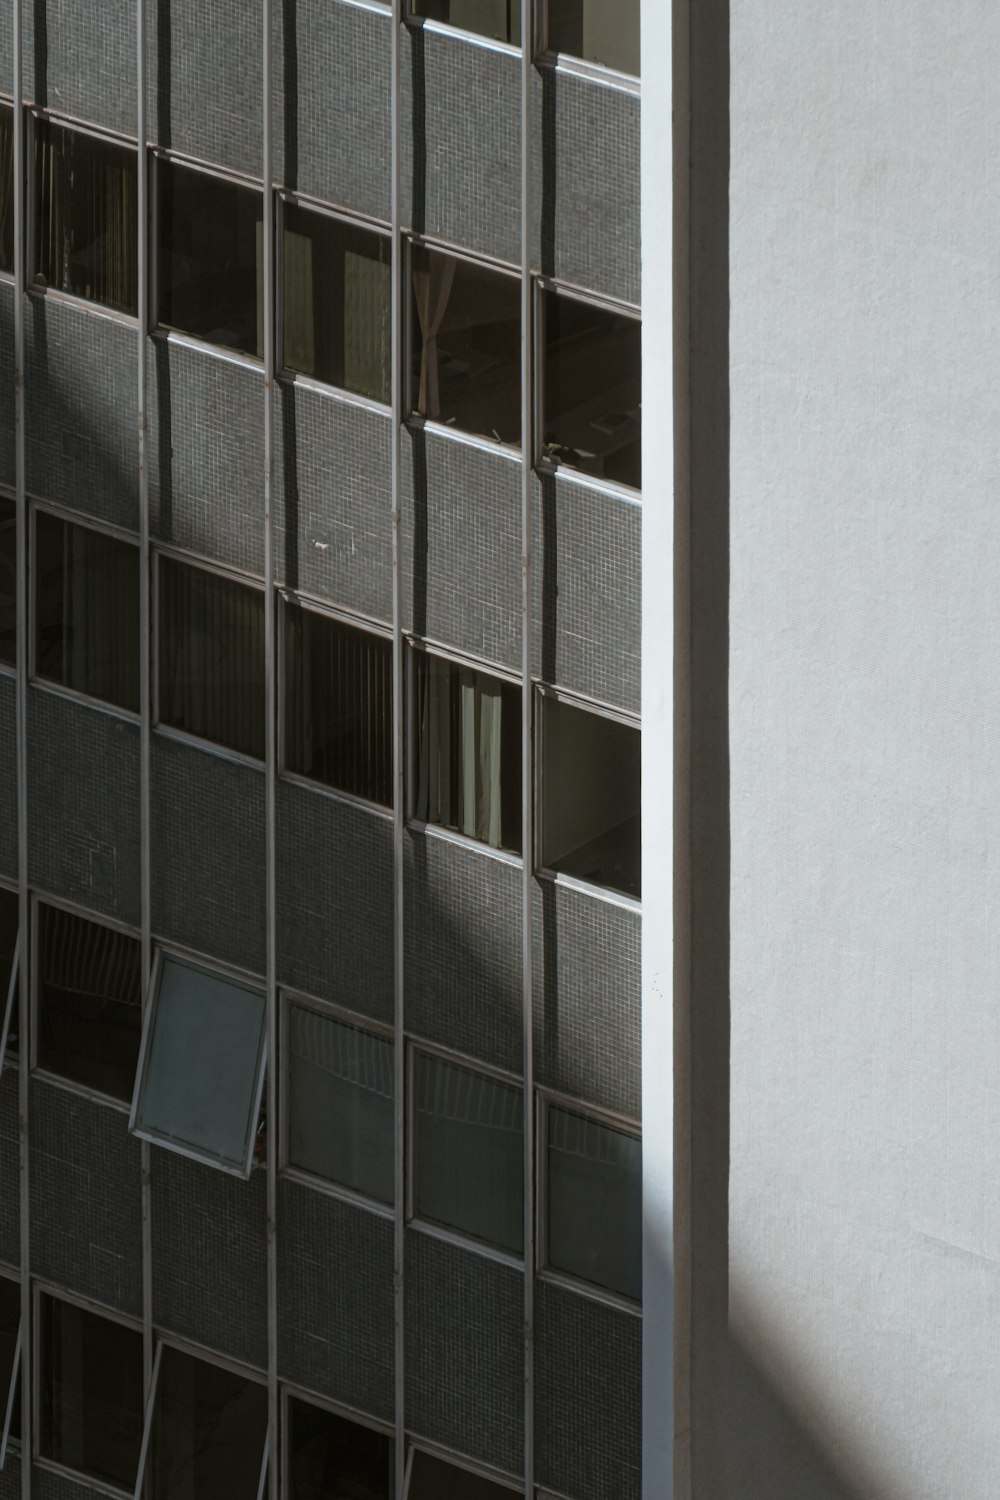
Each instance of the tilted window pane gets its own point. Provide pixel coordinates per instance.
(91, 1393)
(338, 704)
(85, 216)
(87, 611)
(465, 322)
(209, 257)
(89, 1020)
(591, 794)
(433, 1479)
(592, 389)
(337, 300)
(200, 1084)
(208, 1432)
(340, 1112)
(594, 1227)
(6, 189)
(599, 31)
(10, 1322)
(8, 581)
(466, 744)
(211, 657)
(468, 1167)
(9, 916)
(499, 19)
(330, 1458)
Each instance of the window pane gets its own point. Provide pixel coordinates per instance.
(466, 741)
(340, 1093)
(89, 1020)
(338, 291)
(468, 1167)
(499, 19)
(209, 251)
(6, 189)
(466, 332)
(203, 1062)
(85, 216)
(595, 1202)
(593, 389)
(10, 1322)
(600, 31)
(330, 1458)
(91, 1393)
(211, 657)
(208, 1432)
(8, 581)
(591, 791)
(433, 1479)
(9, 912)
(87, 611)
(338, 704)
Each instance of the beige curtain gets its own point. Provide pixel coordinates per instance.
(432, 284)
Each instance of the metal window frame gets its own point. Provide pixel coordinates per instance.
(458, 1461)
(548, 56)
(7, 1403)
(240, 979)
(290, 1393)
(445, 28)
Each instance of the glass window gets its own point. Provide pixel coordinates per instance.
(330, 1458)
(209, 1427)
(87, 611)
(337, 302)
(209, 249)
(499, 19)
(338, 704)
(465, 746)
(85, 216)
(89, 1020)
(592, 389)
(468, 1171)
(594, 1202)
(591, 796)
(599, 31)
(6, 189)
(202, 1068)
(9, 914)
(91, 1393)
(10, 1364)
(211, 656)
(466, 338)
(340, 1102)
(433, 1479)
(8, 581)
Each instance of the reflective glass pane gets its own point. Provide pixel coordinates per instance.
(433, 1479)
(91, 1393)
(211, 656)
(499, 19)
(338, 704)
(9, 910)
(6, 189)
(594, 1227)
(330, 1458)
(465, 323)
(202, 1067)
(85, 216)
(465, 747)
(208, 1432)
(592, 389)
(8, 581)
(468, 1170)
(209, 251)
(89, 1020)
(340, 1093)
(338, 293)
(87, 611)
(591, 791)
(599, 31)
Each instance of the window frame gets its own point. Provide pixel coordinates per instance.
(445, 28)
(288, 1392)
(548, 56)
(10, 1441)
(162, 951)
(545, 1100)
(8, 1000)
(286, 1168)
(456, 1461)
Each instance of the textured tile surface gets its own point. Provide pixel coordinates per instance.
(80, 60)
(204, 81)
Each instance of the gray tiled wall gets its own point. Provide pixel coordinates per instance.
(463, 949)
(210, 1256)
(464, 1352)
(10, 1478)
(83, 1158)
(81, 396)
(83, 805)
(8, 776)
(6, 51)
(204, 80)
(46, 1485)
(335, 1299)
(10, 1219)
(207, 839)
(80, 60)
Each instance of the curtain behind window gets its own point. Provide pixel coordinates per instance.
(85, 216)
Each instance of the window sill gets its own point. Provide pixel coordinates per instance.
(466, 1242)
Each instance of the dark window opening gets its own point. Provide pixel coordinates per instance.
(209, 1426)
(599, 31)
(9, 917)
(592, 389)
(91, 1393)
(497, 19)
(8, 581)
(330, 1458)
(433, 1479)
(591, 797)
(6, 189)
(10, 1381)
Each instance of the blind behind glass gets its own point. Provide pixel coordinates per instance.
(594, 1202)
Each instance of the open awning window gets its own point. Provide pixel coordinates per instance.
(431, 1478)
(10, 1364)
(9, 955)
(201, 1067)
